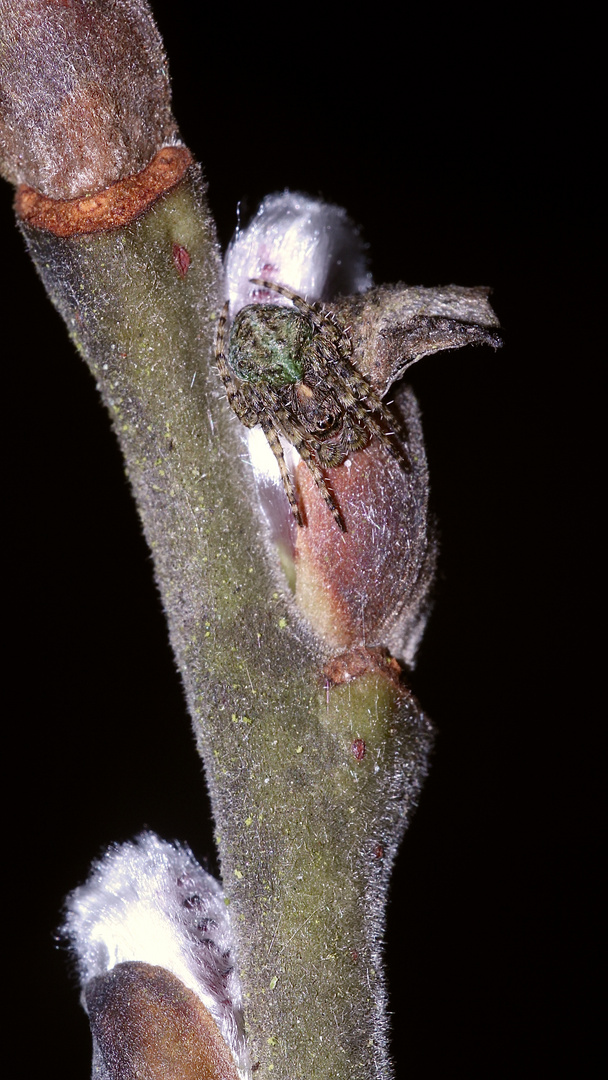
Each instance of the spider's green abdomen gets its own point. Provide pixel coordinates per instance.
(267, 344)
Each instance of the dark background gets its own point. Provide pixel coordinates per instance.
(459, 147)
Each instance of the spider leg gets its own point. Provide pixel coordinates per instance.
(399, 455)
(241, 397)
(275, 445)
(341, 375)
(314, 312)
(226, 375)
(355, 391)
(307, 456)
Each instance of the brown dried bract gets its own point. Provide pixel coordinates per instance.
(399, 324)
(109, 209)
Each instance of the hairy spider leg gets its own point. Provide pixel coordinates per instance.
(342, 380)
(275, 445)
(314, 312)
(241, 397)
(307, 455)
(230, 385)
(221, 327)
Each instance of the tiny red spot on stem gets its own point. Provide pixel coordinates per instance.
(358, 748)
(181, 258)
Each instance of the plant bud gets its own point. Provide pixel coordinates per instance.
(145, 1023)
(361, 558)
(152, 937)
(84, 94)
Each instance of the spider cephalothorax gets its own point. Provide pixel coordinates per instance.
(290, 370)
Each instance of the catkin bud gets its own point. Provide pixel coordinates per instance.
(152, 937)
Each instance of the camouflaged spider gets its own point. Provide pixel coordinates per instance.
(290, 370)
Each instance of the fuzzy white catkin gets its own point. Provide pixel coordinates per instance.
(149, 900)
(315, 250)
(306, 244)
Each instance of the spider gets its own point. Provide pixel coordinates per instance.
(290, 370)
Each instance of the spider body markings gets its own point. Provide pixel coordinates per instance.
(290, 370)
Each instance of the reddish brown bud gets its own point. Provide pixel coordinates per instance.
(368, 586)
(84, 94)
(146, 1023)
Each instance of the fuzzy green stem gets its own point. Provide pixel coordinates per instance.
(306, 831)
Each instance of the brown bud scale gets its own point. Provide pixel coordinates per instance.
(359, 661)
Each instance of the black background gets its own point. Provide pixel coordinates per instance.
(459, 147)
